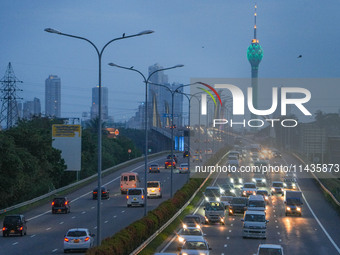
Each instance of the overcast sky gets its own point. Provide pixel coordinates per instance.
(209, 37)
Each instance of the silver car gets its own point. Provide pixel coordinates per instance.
(135, 197)
(78, 239)
(195, 247)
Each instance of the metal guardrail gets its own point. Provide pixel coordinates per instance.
(117, 167)
(151, 238)
(318, 180)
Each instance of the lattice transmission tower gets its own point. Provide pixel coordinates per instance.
(8, 97)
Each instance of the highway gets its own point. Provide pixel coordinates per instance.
(45, 231)
(316, 232)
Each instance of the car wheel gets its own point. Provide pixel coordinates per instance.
(3, 234)
(143, 205)
(160, 196)
(65, 251)
(128, 205)
(21, 233)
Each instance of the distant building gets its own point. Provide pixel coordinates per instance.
(104, 103)
(31, 108)
(137, 121)
(53, 96)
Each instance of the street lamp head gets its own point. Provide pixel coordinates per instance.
(146, 32)
(113, 64)
(51, 30)
(178, 66)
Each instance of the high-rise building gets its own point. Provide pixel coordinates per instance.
(31, 108)
(104, 103)
(255, 55)
(53, 96)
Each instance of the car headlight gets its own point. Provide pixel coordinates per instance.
(288, 208)
(184, 253)
(253, 180)
(244, 192)
(231, 180)
(240, 180)
(185, 226)
(222, 190)
(180, 239)
(266, 197)
(232, 191)
(198, 226)
(263, 180)
(273, 189)
(218, 199)
(231, 210)
(206, 199)
(298, 209)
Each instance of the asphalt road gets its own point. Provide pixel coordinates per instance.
(45, 231)
(316, 232)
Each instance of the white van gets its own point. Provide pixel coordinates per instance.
(135, 196)
(128, 180)
(153, 189)
(254, 224)
(256, 203)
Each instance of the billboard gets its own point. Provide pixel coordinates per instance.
(67, 138)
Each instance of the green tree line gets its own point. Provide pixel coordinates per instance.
(30, 166)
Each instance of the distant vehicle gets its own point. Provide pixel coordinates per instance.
(168, 163)
(227, 188)
(289, 185)
(154, 168)
(263, 193)
(186, 154)
(128, 180)
(78, 239)
(256, 203)
(238, 205)
(14, 224)
(249, 188)
(269, 249)
(183, 168)
(214, 212)
(277, 188)
(209, 151)
(234, 153)
(193, 220)
(105, 193)
(195, 247)
(259, 180)
(197, 157)
(135, 196)
(190, 233)
(293, 202)
(212, 194)
(233, 162)
(236, 180)
(154, 189)
(174, 157)
(61, 204)
(254, 224)
(277, 154)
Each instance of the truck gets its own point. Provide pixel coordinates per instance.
(214, 212)
(293, 202)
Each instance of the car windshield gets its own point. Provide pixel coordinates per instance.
(270, 251)
(293, 201)
(239, 200)
(214, 206)
(153, 184)
(249, 186)
(278, 184)
(184, 165)
(253, 203)
(134, 191)
(76, 233)
(12, 219)
(212, 192)
(191, 245)
(255, 217)
(191, 232)
(191, 219)
(154, 165)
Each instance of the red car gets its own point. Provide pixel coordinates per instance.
(168, 163)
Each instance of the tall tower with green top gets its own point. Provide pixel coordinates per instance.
(255, 55)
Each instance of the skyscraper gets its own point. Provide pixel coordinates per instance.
(53, 96)
(95, 103)
(31, 108)
(255, 55)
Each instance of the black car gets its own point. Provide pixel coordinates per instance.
(238, 205)
(186, 154)
(174, 156)
(104, 191)
(14, 224)
(61, 204)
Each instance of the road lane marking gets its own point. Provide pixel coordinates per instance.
(115, 216)
(73, 217)
(32, 236)
(15, 243)
(54, 250)
(226, 245)
(106, 221)
(83, 212)
(93, 207)
(48, 228)
(123, 211)
(228, 237)
(61, 223)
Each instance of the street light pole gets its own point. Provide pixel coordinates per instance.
(99, 54)
(146, 81)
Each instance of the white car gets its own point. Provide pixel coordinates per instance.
(135, 196)
(270, 249)
(183, 168)
(191, 247)
(77, 239)
(154, 189)
(190, 233)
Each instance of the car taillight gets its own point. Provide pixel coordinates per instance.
(66, 202)
(95, 192)
(127, 197)
(3, 229)
(142, 197)
(52, 203)
(135, 185)
(86, 239)
(159, 189)
(20, 228)
(66, 239)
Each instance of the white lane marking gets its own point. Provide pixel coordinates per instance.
(229, 230)
(317, 220)
(48, 228)
(95, 227)
(32, 236)
(93, 207)
(15, 243)
(277, 226)
(115, 216)
(83, 212)
(231, 225)
(39, 215)
(278, 233)
(228, 237)
(54, 250)
(106, 221)
(226, 245)
(73, 217)
(280, 240)
(123, 211)
(61, 223)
